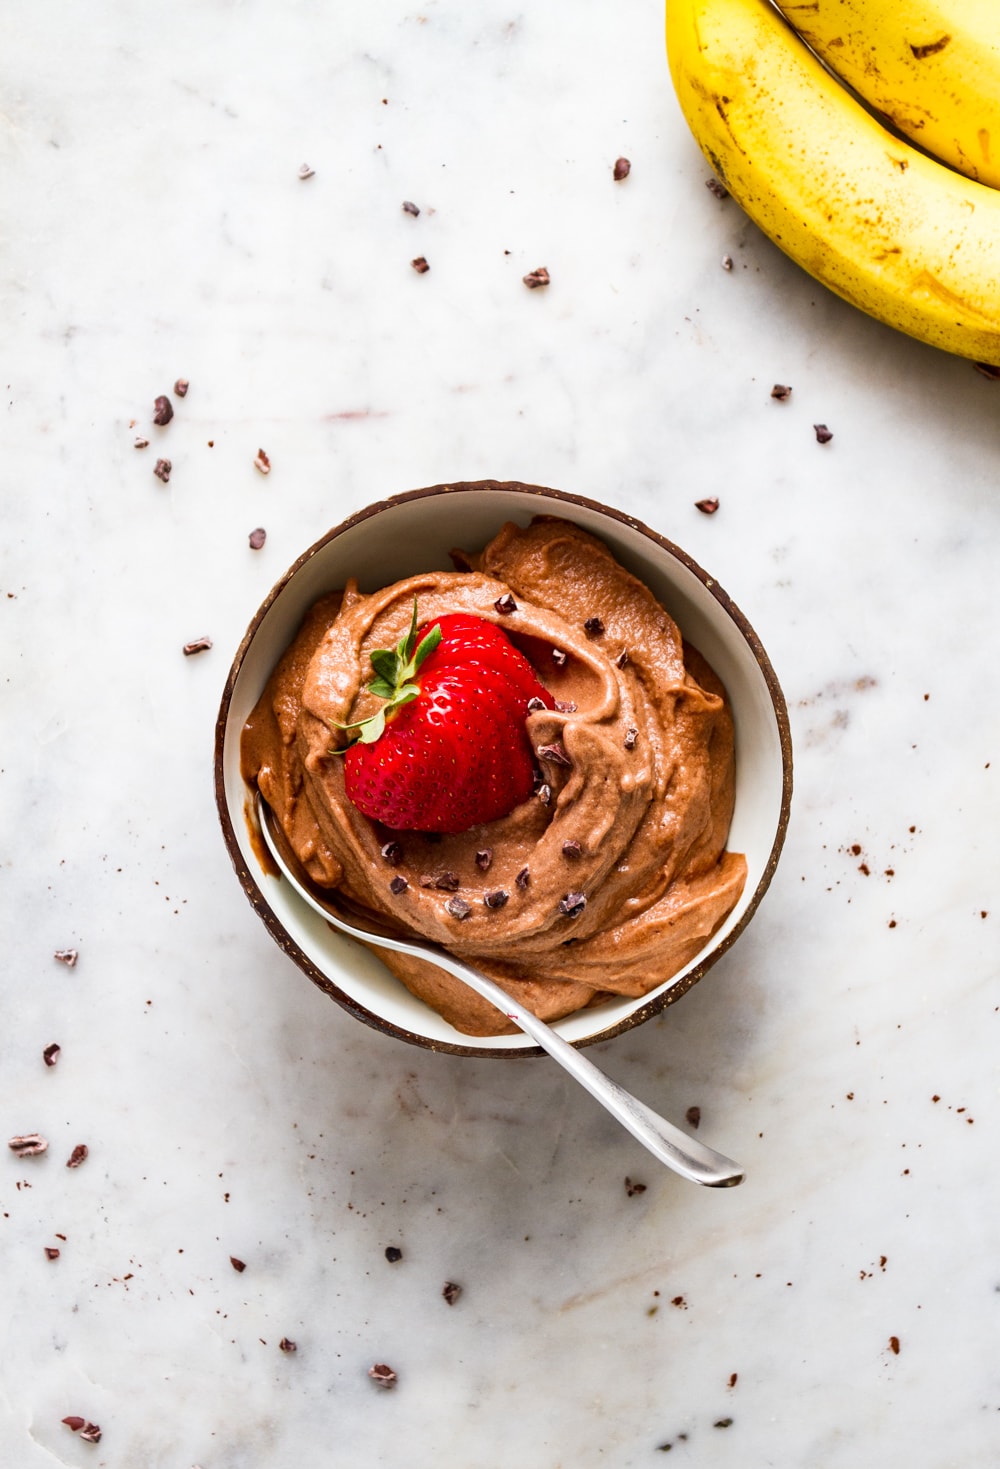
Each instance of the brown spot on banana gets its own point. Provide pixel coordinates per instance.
(930, 48)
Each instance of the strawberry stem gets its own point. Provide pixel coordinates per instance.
(395, 670)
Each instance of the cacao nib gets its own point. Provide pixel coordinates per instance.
(398, 885)
(262, 462)
(392, 853)
(451, 1292)
(163, 410)
(622, 659)
(632, 1188)
(573, 904)
(51, 1252)
(523, 878)
(162, 469)
(458, 908)
(559, 657)
(79, 1155)
(238, 1265)
(631, 736)
(782, 392)
(496, 898)
(181, 387)
(544, 793)
(536, 705)
(505, 605)
(556, 753)
(594, 627)
(305, 172)
(707, 507)
(51, 1054)
(28, 1145)
(823, 434)
(287, 1345)
(565, 706)
(382, 1375)
(420, 265)
(621, 170)
(257, 538)
(714, 187)
(66, 956)
(393, 1253)
(484, 859)
(572, 850)
(410, 208)
(536, 278)
(198, 645)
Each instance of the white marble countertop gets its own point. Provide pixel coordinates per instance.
(841, 1307)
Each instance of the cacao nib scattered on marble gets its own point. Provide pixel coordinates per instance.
(91, 1432)
(75, 1422)
(565, 706)
(162, 469)
(382, 1375)
(398, 885)
(536, 705)
(505, 605)
(782, 392)
(632, 1188)
(28, 1145)
(555, 753)
(621, 170)
(306, 172)
(727, 262)
(51, 1053)
(484, 859)
(392, 853)
(238, 1265)
(823, 434)
(544, 793)
(141, 443)
(693, 1116)
(163, 410)
(393, 1253)
(572, 850)
(536, 278)
(496, 898)
(67, 957)
(287, 1346)
(559, 657)
(79, 1155)
(420, 265)
(707, 507)
(894, 1345)
(257, 538)
(262, 462)
(573, 904)
(181, 387)
(622, 659)
(458, 908)
(631, 736)
(523, 878)
(723, 1423)
(451, 1291)
(198, 645)
(410, 208)
(51, 1252)
(594, 627)
(714, 187)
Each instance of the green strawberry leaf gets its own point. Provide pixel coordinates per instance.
(395, 671)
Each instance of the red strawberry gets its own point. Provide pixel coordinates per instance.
(449, 749)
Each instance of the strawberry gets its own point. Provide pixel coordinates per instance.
(449, 748)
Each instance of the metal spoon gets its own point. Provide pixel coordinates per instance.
(685, 1155)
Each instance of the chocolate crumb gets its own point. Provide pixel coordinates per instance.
(536, 278)
(398, 885)
(458, 908)
(262, 462)
(573, 904)
(451, 1292)
(555, 753)
(631, 736)
(714, 187)
(199, 645)
(572, 850)
(257, 538)
(594, 627)
(723, 1423)
(51, 1054)
(894, 1345)
(287, 1346)
(621, 170)
(536, 705)
(392, 853)
(496, 898)
(484, 859)
(693, 1116)
(544, 793)
(632, 1188)
(181, 387)
(79, 1155)
(28, 1145)
(707, 507)
(505, 605)
(393, 1253)
(727, 262)
(305, 172)
(51, 1252)
(987, 369)
(382, 1375)
(75, 1422)
(141, 443)
(565, 706)
(523, 878)
(622, 660)
(782, 392)
(67, 957)
(732, 1379)
(238, 1265)
(410, 208)
(559, 657)
(420, 265)
(823, 434)
(162, 469)
(163, 410)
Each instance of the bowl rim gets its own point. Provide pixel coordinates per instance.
(248, 880)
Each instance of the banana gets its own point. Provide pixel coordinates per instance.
(931, 67)
(897, 234)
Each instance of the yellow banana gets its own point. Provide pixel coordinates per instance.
(900, 236)
(931, 67)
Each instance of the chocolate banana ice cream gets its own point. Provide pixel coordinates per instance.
(614, 873)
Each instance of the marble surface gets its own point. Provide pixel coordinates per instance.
(842, 1306)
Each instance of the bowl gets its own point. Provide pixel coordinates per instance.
(412, 533)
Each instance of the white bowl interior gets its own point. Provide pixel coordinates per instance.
(416, 534)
